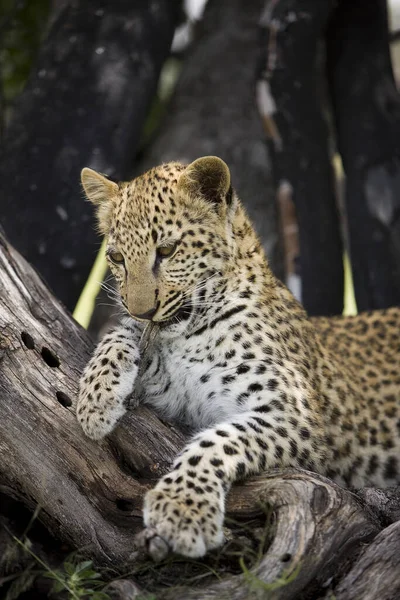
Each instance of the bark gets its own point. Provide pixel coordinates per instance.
(213, 111)
(293, 115)
(375, 576)
(84, 104)
(87, 492)
(367, 113)
(91, 493)
(318, 526)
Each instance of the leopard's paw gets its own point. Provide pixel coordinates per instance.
(102, 399)
(189, 522)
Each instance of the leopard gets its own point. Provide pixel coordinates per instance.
(210, 338)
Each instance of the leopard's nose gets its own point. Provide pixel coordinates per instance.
(147, 316)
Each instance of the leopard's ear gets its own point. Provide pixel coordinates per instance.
(98, 188)
(100, 191)
(208, 178)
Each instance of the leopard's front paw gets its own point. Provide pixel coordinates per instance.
(188, 521)
(102, 398)
(98, 410)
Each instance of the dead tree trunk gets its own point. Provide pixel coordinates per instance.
(91, 493)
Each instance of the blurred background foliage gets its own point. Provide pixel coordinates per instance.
(22, 27)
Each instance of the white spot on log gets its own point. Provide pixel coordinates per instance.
(100, 50)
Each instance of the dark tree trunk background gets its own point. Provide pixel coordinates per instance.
(301, 158)
(367, 113)
(85, 104)
(353, 38)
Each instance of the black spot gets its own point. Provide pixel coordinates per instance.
(242, 369)
(63, 399)
(204, 378)
(216, 462)
(304, 433)
(242, 398)
(28, 340)
(240, 470)
(293, 448)
(206, 444)
(390, 471)
(373, 464)
(239, 427)
(282, 432)
(272, 384)
(222, 433)
(262, 422)
(50, 358)
(229, 450)
(194, 460)
(255, 387)
(262, 409)
(261, 443)
(248, 356)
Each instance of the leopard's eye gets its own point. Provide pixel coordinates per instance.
(166, 251)
(116, 257)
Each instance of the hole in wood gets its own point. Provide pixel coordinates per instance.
(63, 399)
(125, 505)
(27, 340)
(50, 358)
(286, 557)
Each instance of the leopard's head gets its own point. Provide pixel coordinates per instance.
(168, 232)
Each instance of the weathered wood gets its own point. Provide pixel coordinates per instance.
(318, 526)
(385, 503)
(376, 575)
(86, 490)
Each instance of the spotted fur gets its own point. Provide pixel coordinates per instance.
(229, 351)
